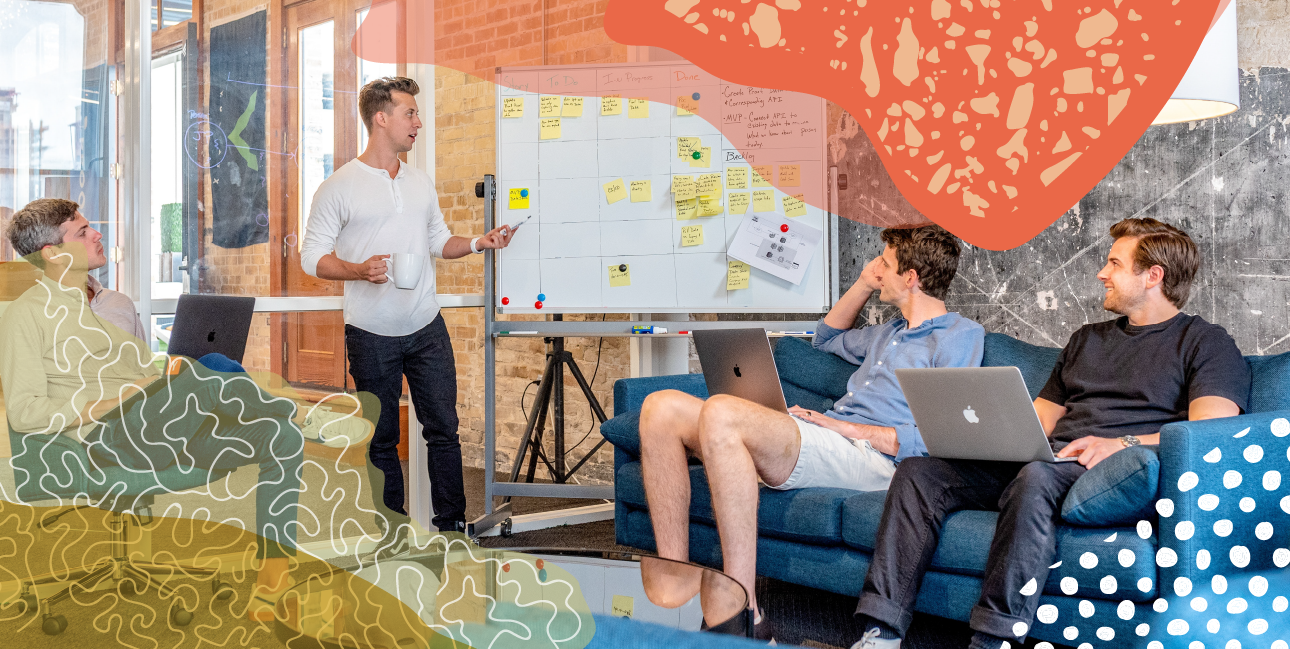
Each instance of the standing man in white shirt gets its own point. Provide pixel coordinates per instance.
(372, 207)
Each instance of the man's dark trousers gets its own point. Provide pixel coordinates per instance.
(923, 492)
(378, 364)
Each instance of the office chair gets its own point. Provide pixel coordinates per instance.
(59, 468)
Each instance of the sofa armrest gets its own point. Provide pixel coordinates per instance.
(629, 394)
(1200, 463)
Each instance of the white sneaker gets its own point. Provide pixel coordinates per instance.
(334, 429)
(870, 640)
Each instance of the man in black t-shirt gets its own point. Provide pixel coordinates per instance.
(1115, 384)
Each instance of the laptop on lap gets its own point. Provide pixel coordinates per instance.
(738, 362)
(211, 324)
(976, 413)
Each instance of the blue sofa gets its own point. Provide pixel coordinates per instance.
(1123, 586)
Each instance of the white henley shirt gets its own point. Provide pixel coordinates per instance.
(358, 212)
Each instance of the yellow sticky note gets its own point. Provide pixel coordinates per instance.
(685, 146)
(615, 191)
(641, 191)
(737, 178)
(683, 187)
(611, 105)
(622, 606)
(687, 209)
(737, 275)
(551, 128)
(710, 207)
(764, 200)
(790, 175)
(549, 106)
(705, 161)
(686, 105)
(691, 235)
(708, 184)
(620, 275)
(761, 176)
(513, 107)
(572, 107)
(795, 205)
(637, 108)
(519, 198)
(738, 202)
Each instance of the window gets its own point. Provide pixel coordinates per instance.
(317, 120)
(368, 70)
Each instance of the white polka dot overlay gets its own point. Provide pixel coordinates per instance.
(1182, 586)
(1213, 456)
(1125, 610)
(1086, 608)
(1258, 586)
(1143, 629)
(1237, 606)
(1144, 529)
(1247, 504)
(1070, 633)
(1069, 585)
(1165, 507)
(1272, 480)
(1144, 584)
(1184, 530)
(1263, 531)
(1218, 584)
(1232, 479)
(1253, 453)
(1280, 604)
(1199, 604)
(1207, 502)
(1019, 629)
(1088, 560)
(1188, 481)
(1202, 559)
(1177, 627)
(1105, 634)
(1212, 626)
(1258, 626)
(1108, 585)
(1240, 555)
(1223, 527)
(1047, 614)
(1281, 557)
(1127, 557)
(1160, 605)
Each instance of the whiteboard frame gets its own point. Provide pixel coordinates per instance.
(829, 245)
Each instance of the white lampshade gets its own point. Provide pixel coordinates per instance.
(1211, 88)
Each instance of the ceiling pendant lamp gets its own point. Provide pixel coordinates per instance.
(1211, 88)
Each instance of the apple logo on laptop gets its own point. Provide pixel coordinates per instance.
(737, 374)
(210, 337)
(970, 415)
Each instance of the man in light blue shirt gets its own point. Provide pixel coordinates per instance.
(855, 445)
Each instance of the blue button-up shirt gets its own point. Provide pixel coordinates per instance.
(873, 394)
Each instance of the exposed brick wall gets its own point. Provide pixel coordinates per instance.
(478, 36)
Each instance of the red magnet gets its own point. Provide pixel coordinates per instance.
(783, 228)
(537, 305)
(505, 301)
(506, 567)
(540, 564)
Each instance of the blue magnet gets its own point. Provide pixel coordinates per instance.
(542, 575)
(524, 193)
(695, 96)
(541, 297)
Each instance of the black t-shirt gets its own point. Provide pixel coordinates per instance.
(1117, 379)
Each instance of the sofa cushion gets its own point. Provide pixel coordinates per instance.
(1270, 389)
(1120, 490)
(1035, 362)
(803, 515)
(810, 369)
(624, 432)
(965, 547)
(629, 394)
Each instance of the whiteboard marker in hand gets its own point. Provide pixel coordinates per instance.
(514, 228)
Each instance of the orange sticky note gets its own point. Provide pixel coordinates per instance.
(790, 175)
(761, 175)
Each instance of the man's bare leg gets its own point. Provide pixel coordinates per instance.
(669, 425)
(741, 441)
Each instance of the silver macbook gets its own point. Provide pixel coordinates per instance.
(976, 413)
(738, 362)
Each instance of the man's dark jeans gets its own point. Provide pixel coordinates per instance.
(378, 364)
(924, 491)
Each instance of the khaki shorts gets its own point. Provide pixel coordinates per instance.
(827, 459)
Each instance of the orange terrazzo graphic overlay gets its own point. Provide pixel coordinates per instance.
(992, 117)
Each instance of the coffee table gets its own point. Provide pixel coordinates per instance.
(502, 598)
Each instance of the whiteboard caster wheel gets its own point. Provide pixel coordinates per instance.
(506, 528)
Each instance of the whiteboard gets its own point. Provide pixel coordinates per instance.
(563, 254)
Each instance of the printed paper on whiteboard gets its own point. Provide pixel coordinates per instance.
(763, 243)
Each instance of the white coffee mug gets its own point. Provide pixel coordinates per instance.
(405, 269)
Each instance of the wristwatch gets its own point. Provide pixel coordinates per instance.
(1130, 440)
(472, 246)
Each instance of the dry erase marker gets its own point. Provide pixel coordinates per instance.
(515, 227)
